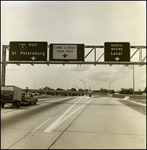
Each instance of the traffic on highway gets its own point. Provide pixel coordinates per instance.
(74, 122)
(73, 75)
(16, 96)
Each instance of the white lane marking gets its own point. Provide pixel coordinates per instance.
(53, 126)
(42, 124)
(57, 121)
(51, 118)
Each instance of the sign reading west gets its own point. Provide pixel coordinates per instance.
(28, 51)
(66, 52)
(117, 51)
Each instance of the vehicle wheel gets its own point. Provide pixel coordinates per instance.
(35, 102)
(2, 105)
(18, 105)
(29, 103)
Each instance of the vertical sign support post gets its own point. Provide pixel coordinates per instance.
(3, 74)
(133, 83)
(95, 55)
(140, 55)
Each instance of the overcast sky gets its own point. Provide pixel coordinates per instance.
(86, 22)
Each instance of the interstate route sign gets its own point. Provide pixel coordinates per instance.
(117, 51)
(67, 52)
(28, 51)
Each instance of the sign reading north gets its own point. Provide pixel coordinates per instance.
(117, 51)
(28, 51)
(66, 52)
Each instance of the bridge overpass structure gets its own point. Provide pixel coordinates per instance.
(58, 92)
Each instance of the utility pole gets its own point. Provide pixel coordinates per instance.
(133, 81)
(109, 85)
(34, 84)
(84, 83)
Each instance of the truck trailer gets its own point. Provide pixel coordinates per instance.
(11, 94)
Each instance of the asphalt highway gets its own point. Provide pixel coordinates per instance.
(79, 122)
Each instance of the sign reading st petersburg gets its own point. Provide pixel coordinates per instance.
(66, 52)
(117, 51)
(28, 51)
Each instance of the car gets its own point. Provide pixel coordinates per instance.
(36, 94)
(28, 98)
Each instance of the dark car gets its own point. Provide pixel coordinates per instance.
(28, 98)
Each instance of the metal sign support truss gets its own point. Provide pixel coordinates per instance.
(140, 62)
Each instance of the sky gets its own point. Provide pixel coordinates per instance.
(84, 22)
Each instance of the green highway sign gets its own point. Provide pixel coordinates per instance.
(28, 51)
(117, 51)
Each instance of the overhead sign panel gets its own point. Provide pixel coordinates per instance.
(117, 51)
(66, 52)
(28, 51)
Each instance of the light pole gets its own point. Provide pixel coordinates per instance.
(109, 84)
(84, 84)
(75, 86)
(67, 86)
(34, 84)
(133, 80)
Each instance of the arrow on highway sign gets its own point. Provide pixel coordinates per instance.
(64, 55)
(33, 58)
(117, 58)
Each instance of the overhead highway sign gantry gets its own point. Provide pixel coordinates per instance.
(70, 54)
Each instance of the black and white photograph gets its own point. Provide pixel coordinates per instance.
(73, 74)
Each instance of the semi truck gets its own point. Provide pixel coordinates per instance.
(11, 94)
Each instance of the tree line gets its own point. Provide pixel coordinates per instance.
(122, 91)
